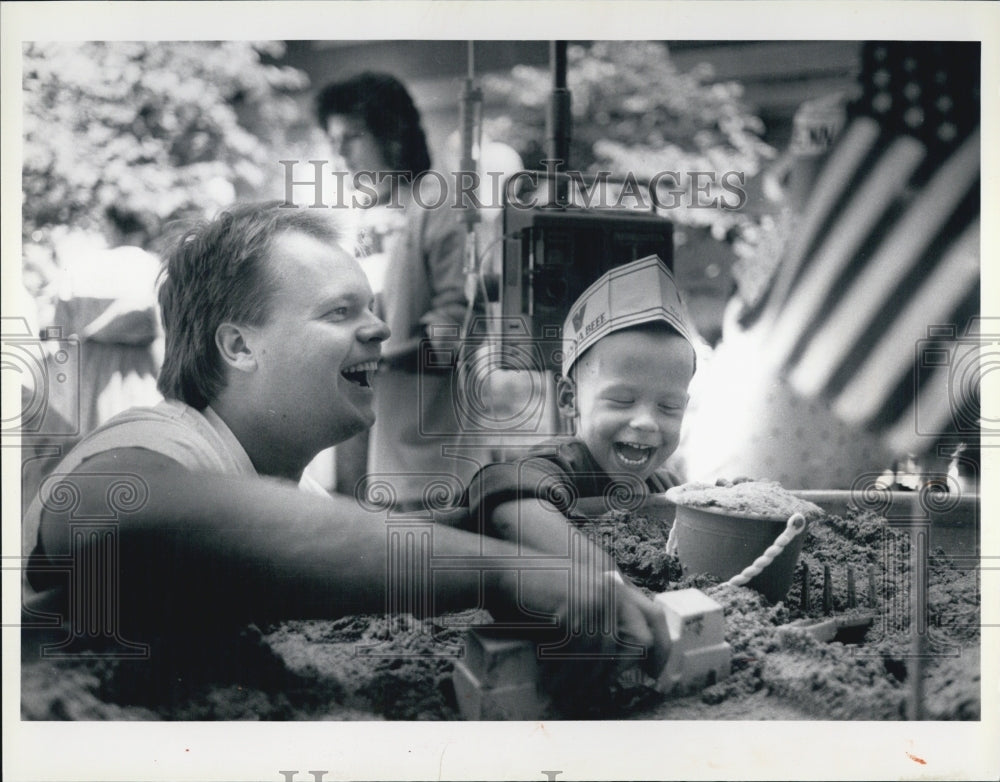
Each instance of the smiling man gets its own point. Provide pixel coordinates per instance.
(301, 378)
(271, 351)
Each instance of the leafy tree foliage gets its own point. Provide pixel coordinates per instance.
(634, 111)
(160, 129)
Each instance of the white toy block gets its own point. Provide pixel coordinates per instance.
(692, 616)
(699, 654)
(500, 662)
(521, 701)
(704, 667)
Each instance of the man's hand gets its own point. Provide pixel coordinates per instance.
(597, 626)
(642, 621)
(599, 591)
(579, 611)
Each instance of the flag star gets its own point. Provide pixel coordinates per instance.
(947, 131)
(914, 116)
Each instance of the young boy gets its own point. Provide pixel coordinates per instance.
(628, 359)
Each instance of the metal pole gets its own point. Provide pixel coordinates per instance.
(919, 535)
(470, 110)
(558, 123)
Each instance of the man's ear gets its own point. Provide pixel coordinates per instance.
(235, 348)
(566, 396)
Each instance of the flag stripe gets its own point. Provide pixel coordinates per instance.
(858, 141)
(864, 212)
(939, 399)
(871, 291)
(887, 364)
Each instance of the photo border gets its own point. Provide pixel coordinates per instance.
(456, 750)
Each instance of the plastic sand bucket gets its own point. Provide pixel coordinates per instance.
(714, 542)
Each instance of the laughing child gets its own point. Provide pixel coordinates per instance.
(628, 359)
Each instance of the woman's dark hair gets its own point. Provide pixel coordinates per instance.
(382, 103)
(217, 273)
(139, 227)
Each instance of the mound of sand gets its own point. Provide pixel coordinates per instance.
(370, 667)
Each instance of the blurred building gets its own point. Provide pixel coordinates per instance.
(777, 76)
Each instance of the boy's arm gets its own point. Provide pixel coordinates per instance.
(517, 502)
(536, 524)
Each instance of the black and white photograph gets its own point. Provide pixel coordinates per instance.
(509, 390)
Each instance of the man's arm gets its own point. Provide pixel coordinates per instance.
(247, 543)
(256, 550)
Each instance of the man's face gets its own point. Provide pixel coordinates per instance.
(629, 400)
(318, 352)
(352, 140)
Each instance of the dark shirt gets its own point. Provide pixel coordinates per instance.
(561, 471)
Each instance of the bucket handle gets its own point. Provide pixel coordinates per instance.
(796, 523)
(672, 539)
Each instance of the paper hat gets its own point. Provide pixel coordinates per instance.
(639, 292)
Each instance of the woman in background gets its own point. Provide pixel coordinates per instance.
(414, 256)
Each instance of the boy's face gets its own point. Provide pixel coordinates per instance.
(628, 399)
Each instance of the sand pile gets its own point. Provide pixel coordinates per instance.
(755, 499)
(862, 680)
(367, 667)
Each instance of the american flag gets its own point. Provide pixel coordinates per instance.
(873, 307)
